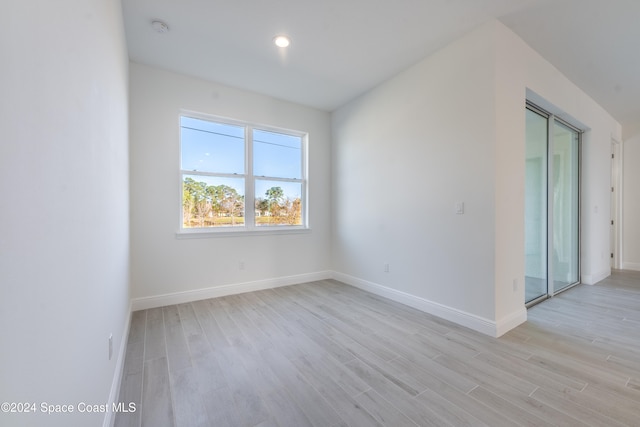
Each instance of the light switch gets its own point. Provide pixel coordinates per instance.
(459, 208)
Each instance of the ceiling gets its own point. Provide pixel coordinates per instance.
(342, 48)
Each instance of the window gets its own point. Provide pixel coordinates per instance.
(227, 166)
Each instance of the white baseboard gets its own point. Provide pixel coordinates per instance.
(631, 266)
(477, 323)
(109, 417)
(592, 279)
(511, 321)
(224, 290)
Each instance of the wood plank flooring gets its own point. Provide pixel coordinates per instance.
(326, 354)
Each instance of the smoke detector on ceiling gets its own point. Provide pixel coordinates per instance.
(159, 26)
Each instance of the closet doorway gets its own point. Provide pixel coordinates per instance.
(552, 205)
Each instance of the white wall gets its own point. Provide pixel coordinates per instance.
(522, 72)
(403, 155)
(631, 199)
(452, 128)
(64, 229)
(163, 264)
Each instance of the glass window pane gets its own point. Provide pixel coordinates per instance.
(278, 203)
(536, 206)
(212, 201)
(277, 155)
(565, 207)
(211, 147)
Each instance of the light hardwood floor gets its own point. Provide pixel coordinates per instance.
(326, 354)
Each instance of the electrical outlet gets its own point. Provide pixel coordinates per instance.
(515, 285)
(110, 346)
(241, 265)
(386, 267)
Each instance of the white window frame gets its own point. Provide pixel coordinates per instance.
(249, 227)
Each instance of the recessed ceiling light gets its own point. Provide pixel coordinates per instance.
(159, 26)
(282, 41)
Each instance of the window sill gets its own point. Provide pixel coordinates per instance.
(205, 234)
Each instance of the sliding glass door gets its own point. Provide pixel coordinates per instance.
(552, 241)
(565, 229)
(535, 203)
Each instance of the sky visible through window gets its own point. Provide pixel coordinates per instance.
(219, 148)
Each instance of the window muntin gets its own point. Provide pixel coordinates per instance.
(228, 166)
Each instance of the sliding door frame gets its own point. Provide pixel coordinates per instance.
(551, 120)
